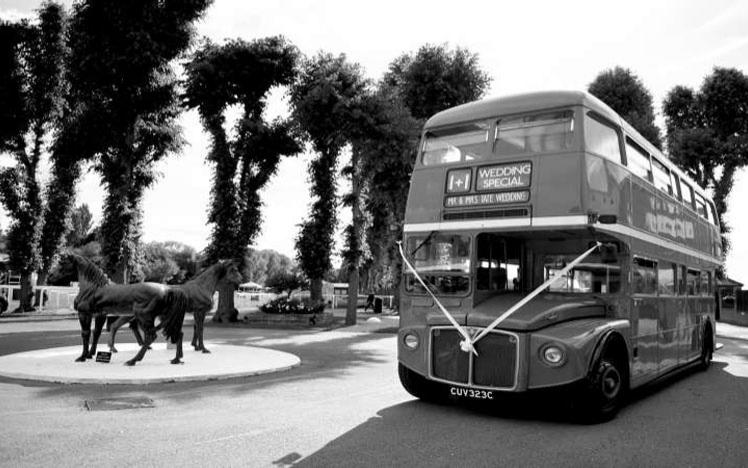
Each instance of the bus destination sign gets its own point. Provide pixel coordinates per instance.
(481, 199)
(504, 176)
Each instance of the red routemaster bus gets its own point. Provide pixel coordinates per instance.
(548, 245)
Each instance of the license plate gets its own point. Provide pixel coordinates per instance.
(473, 393)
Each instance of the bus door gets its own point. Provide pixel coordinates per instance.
(644, 319)
(670, 315)
(690, 343)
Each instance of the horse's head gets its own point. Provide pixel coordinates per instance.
(228, 271)
(89, 275)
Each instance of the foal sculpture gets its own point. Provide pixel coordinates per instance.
(146, 302)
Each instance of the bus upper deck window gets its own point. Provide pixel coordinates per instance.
(536, 133)
(601, 139)
(459, 144)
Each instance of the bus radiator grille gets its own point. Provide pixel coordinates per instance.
(448, 361)
(495, 365)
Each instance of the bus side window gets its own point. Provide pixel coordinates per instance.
(687, 193)
(666, 278)
(705, 283)
(692, 282)
(644, 276)
(638, 160)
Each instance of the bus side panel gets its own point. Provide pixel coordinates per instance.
(579, 339)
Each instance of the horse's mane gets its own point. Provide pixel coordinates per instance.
(88, 271)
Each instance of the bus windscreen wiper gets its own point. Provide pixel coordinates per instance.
(418, 247)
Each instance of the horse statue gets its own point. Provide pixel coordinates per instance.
(98, 297)
(199, 292)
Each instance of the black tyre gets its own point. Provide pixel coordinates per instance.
(419, 386)
(604, 391)
(707, 349)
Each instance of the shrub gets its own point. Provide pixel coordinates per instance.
(284, 305)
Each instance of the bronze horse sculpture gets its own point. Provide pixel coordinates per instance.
(199, 293)
(98, 296)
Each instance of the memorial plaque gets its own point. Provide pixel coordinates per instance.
(103, 356)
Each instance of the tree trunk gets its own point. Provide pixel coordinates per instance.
(26, 295)
(315, 291)
(41, 280)
(226, 312)
(350, 314)
(120, 275)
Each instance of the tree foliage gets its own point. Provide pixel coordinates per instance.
(436, 78)
(286, 282)
(262, 264)
(624, 92)
(127, 104)
(240, 73)
(707, 132)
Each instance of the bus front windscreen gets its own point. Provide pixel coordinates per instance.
(442, 261)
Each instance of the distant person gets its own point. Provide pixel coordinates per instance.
(369, 302)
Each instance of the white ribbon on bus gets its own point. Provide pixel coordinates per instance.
(463, 332)
(468, 344)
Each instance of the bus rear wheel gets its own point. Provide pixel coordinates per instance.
(419, 386)
(707, 349)
(604, 391)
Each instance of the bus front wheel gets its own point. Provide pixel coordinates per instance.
(604, 391)
(419, 386)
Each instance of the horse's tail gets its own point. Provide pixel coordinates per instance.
(175, 305)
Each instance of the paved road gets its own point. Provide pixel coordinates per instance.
(345, 407)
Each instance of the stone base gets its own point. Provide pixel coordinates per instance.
(288, 320)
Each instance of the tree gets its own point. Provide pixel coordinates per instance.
(707, 133)
(31, 86)
(120, 69)
(436, 78)
(624, 92)
(285, 283)
(159, 265)
(240, 73)
(260, 265)
(416, 86)
(324, 99)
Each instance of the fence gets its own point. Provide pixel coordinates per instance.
(60, 298)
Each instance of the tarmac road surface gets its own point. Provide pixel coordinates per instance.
(345, 407)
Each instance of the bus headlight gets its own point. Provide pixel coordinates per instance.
(553, 355)
(410, 340)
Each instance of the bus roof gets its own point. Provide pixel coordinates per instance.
(528, 102)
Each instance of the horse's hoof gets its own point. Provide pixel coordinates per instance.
(81, 359)
(176, 361)
(113, 350)
(206, 351)
(131, 362)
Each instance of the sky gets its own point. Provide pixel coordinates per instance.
(524, 46)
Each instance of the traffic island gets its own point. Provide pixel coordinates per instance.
(224, 362)
(293, 321)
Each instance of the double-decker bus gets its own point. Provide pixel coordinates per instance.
(548, 245)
